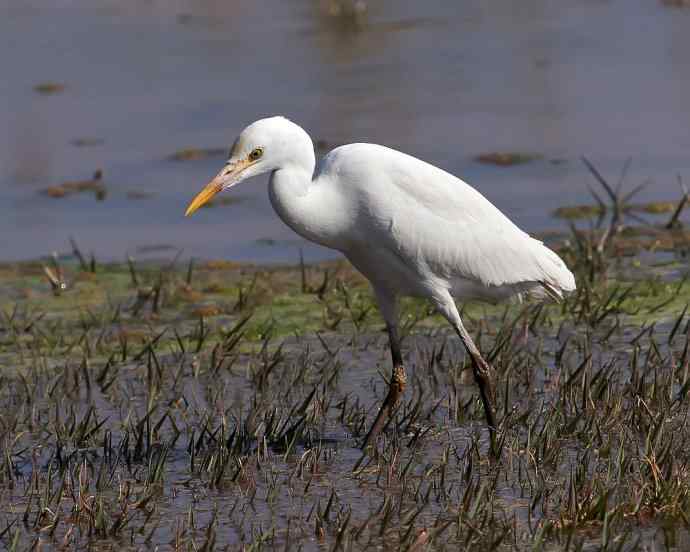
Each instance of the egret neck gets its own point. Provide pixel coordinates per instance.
(308, 206)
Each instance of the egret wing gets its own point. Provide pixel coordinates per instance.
(437, 223)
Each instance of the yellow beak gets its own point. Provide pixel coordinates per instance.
(224, 179)
(211, 189)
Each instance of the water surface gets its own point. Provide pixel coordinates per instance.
(443, 81)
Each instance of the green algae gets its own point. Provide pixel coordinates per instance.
(224, 292)
(575, 212)
(588, 211)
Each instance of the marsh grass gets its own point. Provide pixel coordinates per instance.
(208, 405)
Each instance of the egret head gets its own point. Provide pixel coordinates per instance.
(264, 146)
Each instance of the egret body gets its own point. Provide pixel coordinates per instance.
(409, 227)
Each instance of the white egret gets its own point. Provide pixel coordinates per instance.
(410, 228)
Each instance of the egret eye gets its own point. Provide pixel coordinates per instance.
(256, 153)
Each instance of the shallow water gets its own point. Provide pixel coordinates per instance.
(606, 79)
(166, 406)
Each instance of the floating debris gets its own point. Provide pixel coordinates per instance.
(196, 154)
(47, 88)
(575, 212)
(87, 142)
(657, 207)
(269, 242)
(94, 185)
(506, 159)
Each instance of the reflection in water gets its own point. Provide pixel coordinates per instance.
(675, 48)
(443, 81)
(348, 70)
(29, 154)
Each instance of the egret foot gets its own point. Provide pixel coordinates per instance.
(396, 388)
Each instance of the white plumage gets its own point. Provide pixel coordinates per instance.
(409, 227)
(434, 230)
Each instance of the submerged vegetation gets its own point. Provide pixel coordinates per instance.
(507, 159)
(47, 88)
(94, 185)
(195, 154)
(211, 405)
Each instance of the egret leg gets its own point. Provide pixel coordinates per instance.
(482, 370)
(388, 304)
(396, 388)
(483, 375)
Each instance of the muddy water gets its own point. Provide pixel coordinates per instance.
(142, 80)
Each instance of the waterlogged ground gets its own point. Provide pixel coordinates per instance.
(221, 406)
